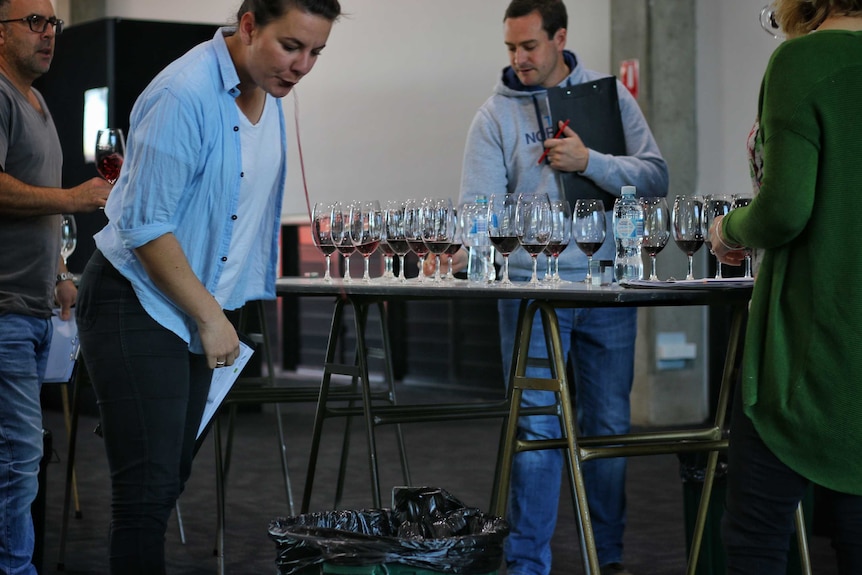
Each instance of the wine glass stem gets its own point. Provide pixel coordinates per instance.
(347, 277)
(506, 269)
(365, 275)
(437, 269)
(717, 269)
(401, 268)
(690, 275)
(556, 267)
(421, 277)
(747, 265)
(535, 278)
(449, 270)
(589, 279)
(327, 276)
(652, 275)
(549, 273)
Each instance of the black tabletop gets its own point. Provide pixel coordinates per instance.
(705, 292)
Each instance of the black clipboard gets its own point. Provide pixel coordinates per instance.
(593, 112)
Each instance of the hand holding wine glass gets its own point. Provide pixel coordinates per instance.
(714, 206)
(110, 151)
(656, 229)
(687, 223)
(589, 229)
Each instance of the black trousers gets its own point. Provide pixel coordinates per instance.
(762, 496)
(151, 393)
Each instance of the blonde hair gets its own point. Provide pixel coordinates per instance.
(799, 17)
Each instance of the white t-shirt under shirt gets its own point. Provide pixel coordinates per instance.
(261, 156)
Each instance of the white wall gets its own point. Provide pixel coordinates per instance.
(733, 52)
(385, 111)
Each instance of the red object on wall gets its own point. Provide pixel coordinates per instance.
(630, 75)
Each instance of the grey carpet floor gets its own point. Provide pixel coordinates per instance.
(458, 456)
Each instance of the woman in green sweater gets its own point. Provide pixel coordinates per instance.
(798, 416)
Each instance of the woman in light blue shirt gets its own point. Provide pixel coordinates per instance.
(192, 231)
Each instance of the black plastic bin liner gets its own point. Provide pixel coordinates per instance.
(427, 529)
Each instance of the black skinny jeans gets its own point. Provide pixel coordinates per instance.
(151, 393)
(762, 496)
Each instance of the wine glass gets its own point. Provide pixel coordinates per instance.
(394, 232)
(533, 221)
(714, 206)
(561, 235)
(589, 229)
(339, 223)
(68, 236)
(366, 226)
(439, 229)
(455, 245)
(110, 151)
(687, 223)
(656, 229)
(740, 201)
(503, 229)
(321, 233)
(414, 229)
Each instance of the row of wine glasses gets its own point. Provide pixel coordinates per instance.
(431, 227)
(427, 226)
(688, 222)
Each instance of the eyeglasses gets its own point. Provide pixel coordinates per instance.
(39, 23)
(769, 22)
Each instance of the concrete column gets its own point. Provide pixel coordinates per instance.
(661, 35)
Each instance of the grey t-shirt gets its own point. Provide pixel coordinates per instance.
(29, 247)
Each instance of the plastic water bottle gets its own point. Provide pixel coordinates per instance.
(480, 266)
(628, 236)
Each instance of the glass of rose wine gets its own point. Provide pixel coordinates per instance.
(656, 229)
(366, 227)
(534, 225)
(740, 201)
(589, 230)
(687, 226)
(110, 151)
(561, 235)
(503, 229)
(321, 233)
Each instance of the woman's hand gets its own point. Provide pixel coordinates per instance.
(459, 262)
(726, 253)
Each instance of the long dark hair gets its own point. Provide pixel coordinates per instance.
(266, 11)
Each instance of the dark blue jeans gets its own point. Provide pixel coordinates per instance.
(151, 393)
(762, 496)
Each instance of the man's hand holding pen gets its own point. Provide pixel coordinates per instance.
(566, 152)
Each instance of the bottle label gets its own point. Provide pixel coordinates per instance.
(625, 228)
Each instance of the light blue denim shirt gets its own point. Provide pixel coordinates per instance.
(181, 175)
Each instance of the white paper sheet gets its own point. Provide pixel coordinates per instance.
(64, 350)
(222, 382)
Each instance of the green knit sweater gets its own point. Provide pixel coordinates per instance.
(802, 373)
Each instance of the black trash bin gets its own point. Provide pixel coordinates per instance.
(711, 560)
(427, 531)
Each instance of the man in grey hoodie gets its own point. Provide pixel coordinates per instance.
(508, 135)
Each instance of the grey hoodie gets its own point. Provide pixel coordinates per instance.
(506, 139)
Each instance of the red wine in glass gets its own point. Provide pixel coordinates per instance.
(110, 150)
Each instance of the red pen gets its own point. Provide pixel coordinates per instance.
(557, 135)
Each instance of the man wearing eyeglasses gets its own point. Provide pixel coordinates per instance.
(33, 277)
